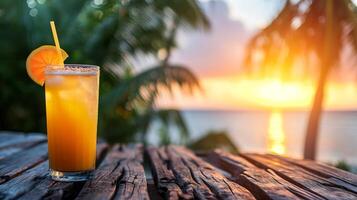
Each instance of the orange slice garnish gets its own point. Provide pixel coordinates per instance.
(40, 58)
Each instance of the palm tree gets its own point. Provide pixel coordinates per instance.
(106, 33)
(141, 90)
(129, 106)
(313, 32)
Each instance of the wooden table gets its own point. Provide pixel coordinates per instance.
(177, 173)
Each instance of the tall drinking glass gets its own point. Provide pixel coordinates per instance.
(72, 115)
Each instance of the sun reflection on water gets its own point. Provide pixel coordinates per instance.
(276, 135)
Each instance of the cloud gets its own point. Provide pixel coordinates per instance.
(218, 52)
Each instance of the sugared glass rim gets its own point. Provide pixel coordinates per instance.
(72, 69)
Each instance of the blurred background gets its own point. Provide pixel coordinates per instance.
(273, 76)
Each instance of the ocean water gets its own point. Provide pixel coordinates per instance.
(277, 132)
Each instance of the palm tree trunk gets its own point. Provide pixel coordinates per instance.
(314, 118)
(315, 113)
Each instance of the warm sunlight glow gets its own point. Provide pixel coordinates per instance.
(278, 94)
(276, 135)
(236, 92)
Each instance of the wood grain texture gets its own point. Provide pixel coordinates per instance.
(262, 184)
(21, 161)
(11, 143)
(45, 188)
(198, 179)
(102, 148)
(335, 177)
(17, 140)
(10, 150)
(178, 174)
(17, 186)
(323, 170)
(152, 190)
(163, 176)
(301, 177)
(120, 176)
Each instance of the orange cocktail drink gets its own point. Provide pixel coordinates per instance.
(71, 110)
(72, 115)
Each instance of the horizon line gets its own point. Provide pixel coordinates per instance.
(259, 110)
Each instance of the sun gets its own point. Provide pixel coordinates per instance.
(274, 93)
(267, 93)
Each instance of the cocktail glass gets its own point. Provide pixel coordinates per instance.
(72, 115)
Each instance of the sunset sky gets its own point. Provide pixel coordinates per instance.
(216, 57)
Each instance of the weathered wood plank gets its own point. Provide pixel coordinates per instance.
(8, 139)
(178, 174)
(102, 148)
(196, 175)
(298, 191)
(163, 176)
(152, 190)
(11, 143)
(262, 184)
(17, 186)
(10, 150)
(188, 182)
(331, 179)
(119, 176)
(133, 183)
(301, 177)
(21, 161)
(6, 135)
(45, 188)
(323, 170)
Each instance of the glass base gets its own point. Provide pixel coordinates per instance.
(70, 176)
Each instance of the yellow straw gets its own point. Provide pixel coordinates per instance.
(55, 38)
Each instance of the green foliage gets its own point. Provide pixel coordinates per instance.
(171, 117)
(341, 164)
(105, 34)
(147, 85)
(128, 107)
(214, 140)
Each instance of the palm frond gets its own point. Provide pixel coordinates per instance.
(170, 118)
(189, 13)
(268, 41)
(147, 84)
(351, 23)
(281, 44)
(101, 38)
